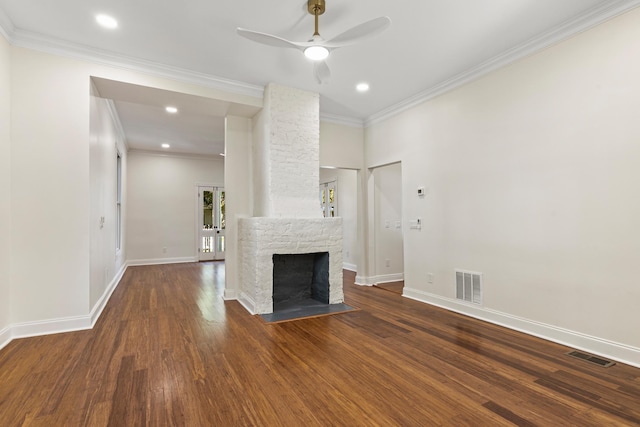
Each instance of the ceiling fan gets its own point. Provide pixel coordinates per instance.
(317, 48)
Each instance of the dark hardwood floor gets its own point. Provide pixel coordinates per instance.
(395, 287)
(169, 351)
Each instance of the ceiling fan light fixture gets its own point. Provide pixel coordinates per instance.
(362, 87)
(316, 53)
(107, 21)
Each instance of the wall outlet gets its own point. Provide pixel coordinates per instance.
(387, 262)
(164, 250)
(430, 277)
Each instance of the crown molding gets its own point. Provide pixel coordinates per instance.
(342, 120)
(153, 153)
(568, 29)
(6, 26)
(39, 42)
(111, 105)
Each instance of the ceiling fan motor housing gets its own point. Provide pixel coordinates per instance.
(316, 7)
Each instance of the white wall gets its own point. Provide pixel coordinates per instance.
(387, 223)
(5, 189)
(343, 147)
(50, 134)
(347, 186)
(238, 187)
(161, 204)
(50, 175)
(105, 142)
(532, 176)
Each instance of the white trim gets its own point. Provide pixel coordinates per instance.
(106, 296)
(5, 337)
(151, 153)
(115, 118)
(156, 261)
(42, 43)
(387, 278)
(342, 120)
(350, 267)
(584, 22)
(64, 324)
(230, 295)
(247, 302)
(6, 30)
(364, 281)
(605, 348)
(50, 326)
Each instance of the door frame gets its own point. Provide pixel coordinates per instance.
(197, 215)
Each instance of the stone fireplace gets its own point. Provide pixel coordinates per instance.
(287, 250)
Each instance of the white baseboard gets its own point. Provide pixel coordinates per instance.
(156, 261)
(364, 281)
(605, 348)
(5, 337)
(247, 302)
(104, 299)
(60, 325)
(50, 326)
(387, 278)
(350, 267)
(230, 295)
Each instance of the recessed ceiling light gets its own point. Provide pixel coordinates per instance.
(171, 110)
(362, 87)
(165, 146)
(107, 21)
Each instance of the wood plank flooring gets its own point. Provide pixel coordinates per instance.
(168, 351)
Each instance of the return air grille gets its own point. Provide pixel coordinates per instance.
(592, 359)
(469, 286)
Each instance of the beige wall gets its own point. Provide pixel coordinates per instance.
(50, 159)
(161, 204)
(50, 175)
(347, 185)
(341, 146)
(105, 142)
(387, 213)
(238, 185)
(531, 174)
(5, 189)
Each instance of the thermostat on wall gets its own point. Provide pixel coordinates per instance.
(421, 191)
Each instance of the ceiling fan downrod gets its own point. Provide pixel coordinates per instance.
(316, 8)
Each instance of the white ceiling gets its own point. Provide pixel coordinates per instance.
(429, 44)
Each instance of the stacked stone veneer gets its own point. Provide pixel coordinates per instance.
(261, 238)
(288, 217)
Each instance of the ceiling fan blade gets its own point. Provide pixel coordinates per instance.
(322, 72)
(359, 32)
(269, 39)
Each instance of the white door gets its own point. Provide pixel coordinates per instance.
(219, 223)
(329, 199)
(206, 232)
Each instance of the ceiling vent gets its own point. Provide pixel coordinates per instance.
(469, 286)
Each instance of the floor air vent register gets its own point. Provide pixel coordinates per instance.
(591, 359)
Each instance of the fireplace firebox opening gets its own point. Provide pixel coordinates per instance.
(300, 280)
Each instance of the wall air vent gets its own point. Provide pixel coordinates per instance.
(469, 286)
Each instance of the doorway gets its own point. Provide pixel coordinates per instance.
(211, 223)
(388, 229)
